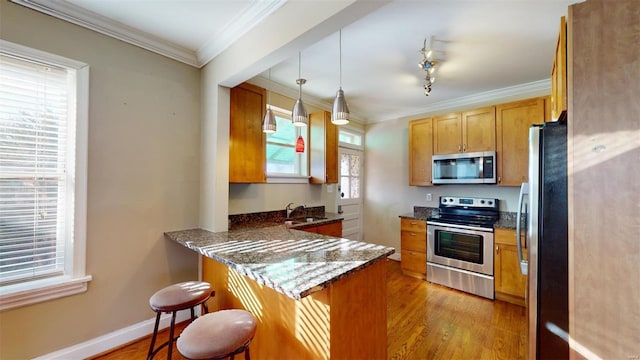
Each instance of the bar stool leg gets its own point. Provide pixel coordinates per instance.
(153, 338)
(247, 356)
(171, 331)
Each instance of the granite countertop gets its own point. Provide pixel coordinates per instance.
(293, 262)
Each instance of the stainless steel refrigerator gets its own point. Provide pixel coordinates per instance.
(543, 213)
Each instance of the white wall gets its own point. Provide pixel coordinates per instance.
(387, 190)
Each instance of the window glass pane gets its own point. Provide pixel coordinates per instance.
(355, 165)
(355, 188)
(344, 164)
(34, 99)
(282, 158)
(348, 137)
(285, 133)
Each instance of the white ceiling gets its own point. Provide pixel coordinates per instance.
(486, 49)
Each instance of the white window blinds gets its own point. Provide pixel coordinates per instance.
(37, 127)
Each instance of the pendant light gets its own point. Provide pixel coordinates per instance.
(300, 144)
(299, 116)
(269, 122)
(340, 113)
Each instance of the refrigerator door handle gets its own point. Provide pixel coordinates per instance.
(524, 192)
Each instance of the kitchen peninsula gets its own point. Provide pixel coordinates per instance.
(315, 296)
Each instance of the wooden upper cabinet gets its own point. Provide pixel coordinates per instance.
(547, 109)
(420, 151)
(479, 130)
(323, 145)
(559, 75)
(447, 132)
(513, 121)
(247, 159)
(470, 131)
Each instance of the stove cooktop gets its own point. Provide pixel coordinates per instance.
(477, 212)
(485, 223)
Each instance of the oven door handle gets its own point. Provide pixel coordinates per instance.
(524, 264)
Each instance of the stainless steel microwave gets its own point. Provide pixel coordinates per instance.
(465, 168)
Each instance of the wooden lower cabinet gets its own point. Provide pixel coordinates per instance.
(510, 284)
(331, 229)
(413, 247)
(345, 320)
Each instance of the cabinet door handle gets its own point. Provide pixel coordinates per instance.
(413, 234)
(464, 148)
(459, 148)
(413, 223)
(499, 179)
(497, 249)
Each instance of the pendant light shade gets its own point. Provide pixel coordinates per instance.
(269, 122)
(300, 144)
(299, 116)
(340, 113)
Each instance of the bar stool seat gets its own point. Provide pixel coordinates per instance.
(173, 298)
(218, 335)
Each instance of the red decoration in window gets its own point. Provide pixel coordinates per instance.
(300, 145)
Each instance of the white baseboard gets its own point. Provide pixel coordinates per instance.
(115, 339)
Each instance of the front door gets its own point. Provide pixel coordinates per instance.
(350, 192)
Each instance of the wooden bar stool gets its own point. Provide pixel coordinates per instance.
(173, 298)
(218, 335)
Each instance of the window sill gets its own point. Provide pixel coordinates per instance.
(287, 179)
(13, 296)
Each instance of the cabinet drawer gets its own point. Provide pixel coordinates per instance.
(411, 240)
(507, 237)
(413, 225)
(414, 261)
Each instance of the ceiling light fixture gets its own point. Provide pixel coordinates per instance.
(340, 113)
(428, 65)
(299, 116)
(269, 122)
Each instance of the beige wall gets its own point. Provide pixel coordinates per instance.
(387, 190)
(143, 180)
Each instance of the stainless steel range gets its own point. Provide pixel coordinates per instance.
(460, 244)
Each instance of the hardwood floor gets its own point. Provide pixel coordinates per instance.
(425, 321)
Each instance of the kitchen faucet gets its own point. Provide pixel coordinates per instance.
(290, 210)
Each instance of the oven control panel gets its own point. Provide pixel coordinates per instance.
(468, 202)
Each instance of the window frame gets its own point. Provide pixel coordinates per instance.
(75, 279)
(353, 132)
(284, 178)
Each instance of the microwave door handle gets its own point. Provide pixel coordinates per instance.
(524, 264)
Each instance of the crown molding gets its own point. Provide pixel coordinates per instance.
(90, 20)
(238, 26)
(255, 12)
(522, 91)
